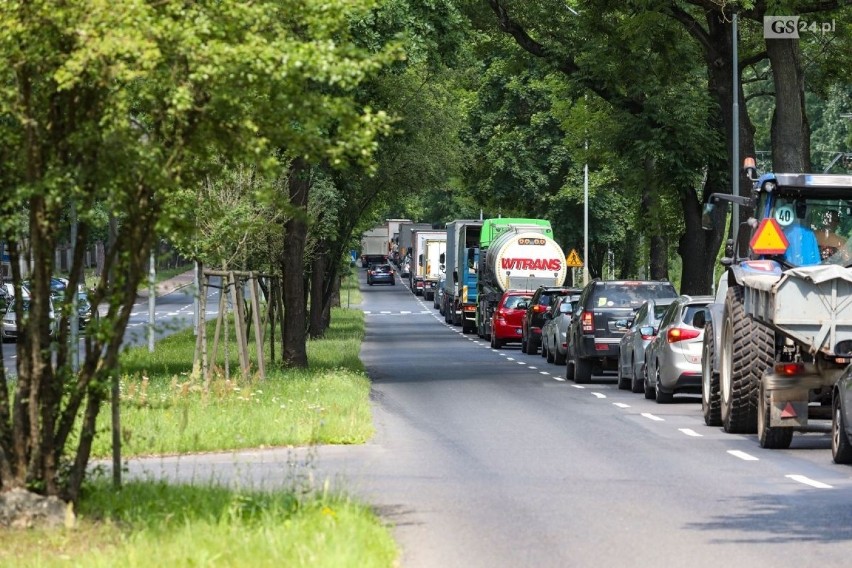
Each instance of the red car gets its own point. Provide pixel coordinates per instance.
(508, 317)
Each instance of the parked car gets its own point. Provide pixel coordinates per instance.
(9, 324)
(641, 329)
(439, 292)
(594, 333)
(506, 319)
(554, 332)
(85, 310)
(380, 274)
(533, 319)
(673, 358)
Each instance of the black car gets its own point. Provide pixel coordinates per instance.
(533, 319)
(595, 331)
(380, 274)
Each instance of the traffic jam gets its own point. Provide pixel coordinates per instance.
(768, 352)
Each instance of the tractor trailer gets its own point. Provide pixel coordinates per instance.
(783, 335)
(462, 257)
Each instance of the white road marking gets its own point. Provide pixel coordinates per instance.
(621, 405)
(520, 363)
(560, 379)
(367, 312)
(509, 359)
(742, 455)
(808, 481)
(691, 432)
(531, 367)
(502, 354)
(383, 312)
(598, 395)
(578, 386)
(653, 417)
(405, 312)
(542, 372)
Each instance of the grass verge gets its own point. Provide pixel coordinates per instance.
(164, 410)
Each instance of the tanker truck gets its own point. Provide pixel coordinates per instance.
(514, 254)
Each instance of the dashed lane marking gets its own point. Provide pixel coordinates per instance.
(742, 455)
(691, 432)
(809, 481)
(543, 373)
(531, 367)
(621, 405)
(578, 386)
(598, 395)
(650, 416)
(520, 363)
(509, 359)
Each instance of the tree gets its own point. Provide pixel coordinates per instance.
(130, 104)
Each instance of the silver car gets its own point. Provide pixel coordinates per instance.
(673, 358)
(555, 329)
(638, 335)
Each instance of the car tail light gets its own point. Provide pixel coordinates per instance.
(646, 337)
(470, 308)
(588, 322)
(789, 369)
(538, 308)
(676, 334)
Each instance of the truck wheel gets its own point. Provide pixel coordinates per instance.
(582, 370)
(841, 449)
(742, 360)
(772, 438)
(710, 398)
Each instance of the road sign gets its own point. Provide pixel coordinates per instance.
(769, 238)
(573, 260)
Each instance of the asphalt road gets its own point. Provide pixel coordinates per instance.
(488, 458)
(173, 311)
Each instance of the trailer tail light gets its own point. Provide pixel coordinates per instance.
(789, 369)
(469, 308)
(587, 319)
(676, 334)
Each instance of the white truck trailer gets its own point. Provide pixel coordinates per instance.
(426, 266)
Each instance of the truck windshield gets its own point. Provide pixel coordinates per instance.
(817, 229)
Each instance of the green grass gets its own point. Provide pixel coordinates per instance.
(164, 410)
(153, 523)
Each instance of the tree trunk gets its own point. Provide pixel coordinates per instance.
(791, 137)
(294, 348)
(317, 306)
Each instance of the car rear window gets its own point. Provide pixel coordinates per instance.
(512, 302)
(630, 294)
(690, 311)
(382, 268)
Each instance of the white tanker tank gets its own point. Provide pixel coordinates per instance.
(524, 260)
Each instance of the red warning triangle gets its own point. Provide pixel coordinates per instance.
(769, 238)
(789, 411)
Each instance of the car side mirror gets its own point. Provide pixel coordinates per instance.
(647, 330)
(699, 320)
(621, 324)
(564, 308)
